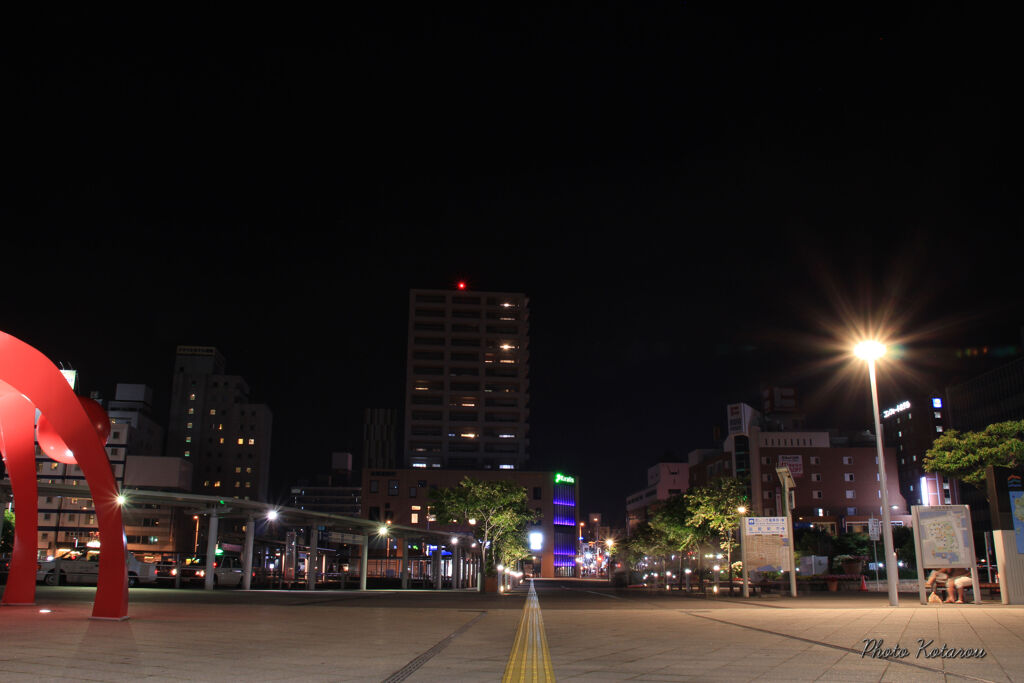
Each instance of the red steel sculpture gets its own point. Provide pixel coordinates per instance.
(71, 429)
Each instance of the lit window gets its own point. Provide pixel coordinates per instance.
(506, 467)
(414, 518)
(188, 425)
(238, 470)
(188, 453)
(936, 403)
(220, 427)
(206, 483)
(188, 439)
(848, 476)
(248, 470)
(216, 484)
(191, 397)
(54, 465)
(850, 493)
(419, 464)
(191, 411)
(847, 459)
(938, 428)
(248, 484)
(213, 411)
(238, 484)
(240, 441)
(416, 507)
(252, 442)
(816, 494)
(221, 440)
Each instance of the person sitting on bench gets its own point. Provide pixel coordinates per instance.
(958, 584)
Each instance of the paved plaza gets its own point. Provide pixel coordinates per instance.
(573, 630)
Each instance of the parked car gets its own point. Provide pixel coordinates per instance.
(81, 566)
(227, 571)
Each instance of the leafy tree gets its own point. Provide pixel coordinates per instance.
(965, 455)
(670, 521)
(498, 512)
(712, 510)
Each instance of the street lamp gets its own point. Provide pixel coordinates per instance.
(871, 351)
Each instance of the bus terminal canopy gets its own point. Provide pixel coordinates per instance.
(235, 508)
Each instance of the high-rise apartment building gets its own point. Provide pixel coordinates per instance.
(214, 426)
(467, 380)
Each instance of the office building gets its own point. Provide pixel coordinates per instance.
(911, 426)
(467, 380)
(213, 425)
(664, 480)
(837, 479)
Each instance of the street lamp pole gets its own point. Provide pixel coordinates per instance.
(870, 351)
(742, 510)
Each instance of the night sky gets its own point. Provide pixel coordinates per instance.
(698, 200)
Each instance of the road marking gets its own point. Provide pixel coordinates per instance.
(529, 659)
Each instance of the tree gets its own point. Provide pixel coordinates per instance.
(965, 456)
(496, 510)
(713, 510)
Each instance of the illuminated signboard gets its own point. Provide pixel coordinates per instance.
(936, 403)
(536, 540)
(889, 412)
(564, 479)
(71, 376)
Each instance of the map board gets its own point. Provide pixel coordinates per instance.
(944, 536)
(1017, 501)
(766, 544)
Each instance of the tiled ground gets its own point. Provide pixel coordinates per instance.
(592, 635)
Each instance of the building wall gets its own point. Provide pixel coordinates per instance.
(664, 480)
(403, 497)
(467, 380)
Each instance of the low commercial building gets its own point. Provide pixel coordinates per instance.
(402, 496)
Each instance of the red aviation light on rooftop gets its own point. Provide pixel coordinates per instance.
(461, 284)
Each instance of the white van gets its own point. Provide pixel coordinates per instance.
(82, 565)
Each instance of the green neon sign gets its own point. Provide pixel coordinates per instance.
(564, 479)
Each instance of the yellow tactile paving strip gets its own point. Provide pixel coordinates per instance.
(529, 659)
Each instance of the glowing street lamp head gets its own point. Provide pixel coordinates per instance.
(121, 499)
(272, 515)
(742, 509)
(383, 530)
(869, 350)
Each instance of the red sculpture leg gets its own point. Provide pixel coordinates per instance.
(25, 371)
(17, 440)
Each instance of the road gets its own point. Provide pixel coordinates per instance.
(565, 629)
